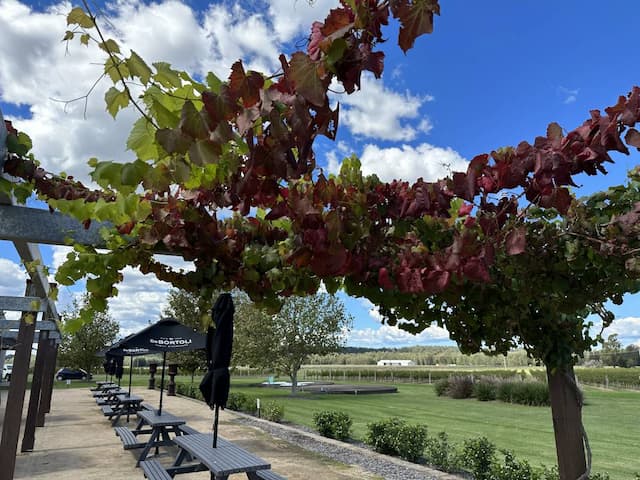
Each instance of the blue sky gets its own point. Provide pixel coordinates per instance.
(492, 74)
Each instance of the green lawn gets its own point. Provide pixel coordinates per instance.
(611, 420)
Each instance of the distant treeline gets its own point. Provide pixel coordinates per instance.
(432, 355)
(420, 355)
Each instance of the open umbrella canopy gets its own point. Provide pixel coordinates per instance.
(166, 335)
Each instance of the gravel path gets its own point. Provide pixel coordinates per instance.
(351, 454)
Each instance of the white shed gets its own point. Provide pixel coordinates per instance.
(396, 363)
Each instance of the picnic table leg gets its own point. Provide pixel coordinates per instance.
(147, 447)
(138, 427)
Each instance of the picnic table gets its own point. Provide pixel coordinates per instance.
(101, 384)
(226, 459)
(109, 397)
(125, 404)
(106, 391)
(161, 427)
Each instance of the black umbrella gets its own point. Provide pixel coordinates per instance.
(215, 384)
(117, 350)
(166, 335)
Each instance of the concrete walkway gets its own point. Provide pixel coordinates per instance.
(77, 442)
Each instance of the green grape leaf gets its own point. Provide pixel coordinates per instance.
(84, 39)
(68, 35)
(166, 76)
(142, 140)
(173, 140)
(203, 152)
(214, 83)
(109, 46)
(192, 123)
(138, 68)
(115, 100)
(78, 16)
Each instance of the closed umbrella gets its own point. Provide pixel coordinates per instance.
(215, 384)
(166, 335)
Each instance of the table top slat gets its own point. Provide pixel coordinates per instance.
(226, 459)
(152, 419)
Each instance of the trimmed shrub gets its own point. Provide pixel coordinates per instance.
(333, 424)
(441, 387)
(189, 390)
(479, 456)
(485, 390)
(460, 387)
(513, 469)
(394, 436)
(272, 411)
(440, 453)
(236, 401)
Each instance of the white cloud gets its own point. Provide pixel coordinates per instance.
(568, 95)
(387, 336)
(292, 18)
(13, 278)
(379, 112)
(410, 163)
(627, 328)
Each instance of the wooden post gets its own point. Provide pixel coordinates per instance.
(29, 435)
(15, 399)
(51, 352)
(566, 410)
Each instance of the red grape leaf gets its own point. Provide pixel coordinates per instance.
(416, 19)
(303, 72)
(516, 241)
(245, 86)
(633, 138)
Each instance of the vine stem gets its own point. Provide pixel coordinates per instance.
(115, 65)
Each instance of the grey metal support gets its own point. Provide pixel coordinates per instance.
(17, 387)
(29, 435)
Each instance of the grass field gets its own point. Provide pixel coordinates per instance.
(610, 417)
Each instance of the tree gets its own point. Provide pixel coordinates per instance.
(78, 349)
(456, 251)
(189, 309)
(305, 326)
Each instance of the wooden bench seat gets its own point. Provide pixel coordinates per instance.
(128, 439)
(269, 475)
(107, 410)
(153, 470)
(146, 406)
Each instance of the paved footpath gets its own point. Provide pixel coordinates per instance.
(77, 442)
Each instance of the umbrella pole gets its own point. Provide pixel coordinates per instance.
(215, 427)
(130, 373)
(164, 361)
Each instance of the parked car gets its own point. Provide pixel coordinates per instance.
(72, 374)
(7, 368)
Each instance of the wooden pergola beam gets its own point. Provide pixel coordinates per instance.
(23, 304)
